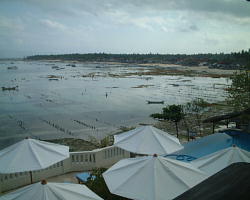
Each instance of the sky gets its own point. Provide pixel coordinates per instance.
(31, 27)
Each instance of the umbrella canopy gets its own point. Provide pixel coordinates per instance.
(147, 140)
(30, 155)
(52, 191)
(151, 178)
(219, 160)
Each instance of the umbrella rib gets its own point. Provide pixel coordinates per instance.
(165, 134)
(174, 163)
(216, 157)
(230, 160)
(156, 139)
(26, 190)
(159, 142)
(138, 146)
(51, 149)
(154, 184)
(130, 175)
(170, 138)
(174, 175)
(35, 155)
(52, 191)
(130, 136)
(70, 191)
(243, 154)
(9, 149)
(128, 165)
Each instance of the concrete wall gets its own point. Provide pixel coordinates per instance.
(78, 161)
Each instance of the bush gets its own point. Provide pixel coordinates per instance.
(99, 186)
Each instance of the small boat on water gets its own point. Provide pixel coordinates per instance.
(9, 88)
(155, 102)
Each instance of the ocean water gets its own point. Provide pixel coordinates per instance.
(55, 100)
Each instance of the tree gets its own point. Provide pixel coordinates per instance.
(172, 113)
(239, 91)
(196, 108)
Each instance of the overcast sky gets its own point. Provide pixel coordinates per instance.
(29, 27)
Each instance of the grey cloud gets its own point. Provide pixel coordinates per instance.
(189, 28)
(237, 8)
(193, 27)
(121, 25)
(240, 8)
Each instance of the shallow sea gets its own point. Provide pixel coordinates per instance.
(80, 105)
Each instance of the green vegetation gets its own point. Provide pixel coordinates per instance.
(75, 144)
(221, 60)
(99, 186)
(195, 108)
(189, 117)
(172, 113)
(239, 91)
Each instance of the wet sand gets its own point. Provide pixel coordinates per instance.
(169, 67)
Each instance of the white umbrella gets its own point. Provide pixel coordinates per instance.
(52, 191)
(219, 160)
(151, 178)
(31, 155)
(147, 140)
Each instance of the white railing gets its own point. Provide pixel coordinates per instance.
(78, 161)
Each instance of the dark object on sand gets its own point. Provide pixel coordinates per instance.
(9, 88)
(155, 102)
(12, 67)
(72, 65)
(231, 183)
(53, 79)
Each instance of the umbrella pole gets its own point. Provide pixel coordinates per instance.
(31, 179)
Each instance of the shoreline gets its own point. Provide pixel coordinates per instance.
(163, 69)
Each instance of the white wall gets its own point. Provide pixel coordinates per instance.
(78, 161)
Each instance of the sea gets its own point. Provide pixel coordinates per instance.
(55, 99)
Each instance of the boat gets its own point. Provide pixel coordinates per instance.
(9, 88)
(155, 102)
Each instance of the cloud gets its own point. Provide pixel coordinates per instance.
(10, 24)
(170, 22)
(53, 24)
(165, 26)
(239, 8)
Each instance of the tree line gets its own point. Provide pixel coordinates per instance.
(237, 59)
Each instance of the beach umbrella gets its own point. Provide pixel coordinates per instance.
(151, 178)
(219, 160)
(30, 155)
(205, 145)
(52, 191)
(147, 140)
